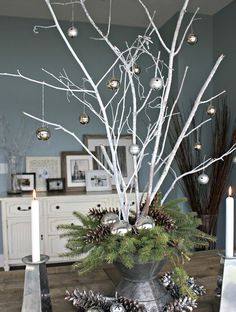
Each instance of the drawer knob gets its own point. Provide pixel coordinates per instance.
(21, 209)
(72, 224)
(57, 207)
(98, 205)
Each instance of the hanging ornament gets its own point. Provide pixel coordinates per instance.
(211, 110)
(109, 218)
(134, 149)
(43, 133)
(136, 69)
(94, 309)
(117, 307)
(203, 178)
(72, 31)
(84, 119)
(145, 222)
(234, 160)
(156, 83)
(121, 228)
(197, 146)
(191, 38)
(113, 84)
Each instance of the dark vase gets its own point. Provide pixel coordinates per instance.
(141, 283)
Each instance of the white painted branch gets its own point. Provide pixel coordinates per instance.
(213, 97)
(197, 127)
(103, 149)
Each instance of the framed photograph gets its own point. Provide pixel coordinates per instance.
(45, 167)
(93, 142)
(56, 185)
(97, 180)
(74, 165)
(26, 181)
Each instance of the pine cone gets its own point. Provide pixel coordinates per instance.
(163, 219)
(97, 235)
(131, 305)
(183, 304)
(98, 213)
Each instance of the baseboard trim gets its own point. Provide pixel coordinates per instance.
(1, 260)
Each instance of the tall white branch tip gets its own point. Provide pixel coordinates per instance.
(131, 104)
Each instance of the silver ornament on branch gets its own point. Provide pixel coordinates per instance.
(43, 134)
(234, 160)
(156, 83)
(136, 69)
(109, 218)
(134, 149)
(145, 222)
(72, 32)
(117, 307)
(191, 38)
(197, 146)
(95, 309)
(84, 119)
(121, 228)
(203, 178)
(211, 110)
(113, 84)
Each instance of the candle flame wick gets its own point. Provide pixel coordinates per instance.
(34, 194)
(230, 191)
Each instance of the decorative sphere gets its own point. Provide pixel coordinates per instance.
(109, 218)
(211, 110)
(84, 119)
(203, 178)
(43, 134)
(134, 149)
(121, 228)
(156, 83)
(113, 84)
(117, 307)
(234, 160)
(145, 222)
(136, 69)
(197, 146)
(95, 309)
(72, 32)
(191, 38)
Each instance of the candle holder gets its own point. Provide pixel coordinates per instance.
(36, 290)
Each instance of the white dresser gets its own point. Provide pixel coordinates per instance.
(54, 210)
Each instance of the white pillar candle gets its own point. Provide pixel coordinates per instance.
(229, 224)
(35, 232)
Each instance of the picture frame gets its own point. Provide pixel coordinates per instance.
(44, 167)
(97, 180)
(93, 142)
(74, 165)
(26, 181)
(55, 185)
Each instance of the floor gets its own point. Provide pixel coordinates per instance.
(204, 266)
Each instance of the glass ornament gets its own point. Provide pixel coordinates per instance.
(134, 149)
(136, 69)
(145, 222)
(197, 146)
(211, 110)
(191, 38)
(234, 160)
(156, 83)
(109, 218)
(95, 309)
(43, 134)
(113, 84)
(84, 119)
(121, 228)
(72, 32)
(117, 307)
(203, 178)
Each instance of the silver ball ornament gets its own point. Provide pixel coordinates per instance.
(121, 228)
(109, 218)
(136, 69)
(117, 307)
(72, 32)
(145, 222)
(234, 160)
(197, 146)
(211, 110)
(43, 134)
(156, 83)
(134, 149)
(95, 309)
(84, 119)
(113, 84)
(203, 178)
(191, 38)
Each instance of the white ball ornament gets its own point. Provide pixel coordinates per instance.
(136, 69)
(211, 110)
(191, 38)
(84, 119)
(197, 146)
(117, 307)
(95, 309)
(121, 228)
(145, 222)
(72, 32)
(109, 218)
(156, 83)
(203, 178)
(134, 149)
(113, 84)
(234, 160)
(43, 134)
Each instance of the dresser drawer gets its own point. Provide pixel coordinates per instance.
(20, 209)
